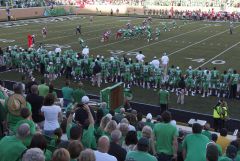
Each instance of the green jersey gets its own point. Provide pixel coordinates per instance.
(235, 79)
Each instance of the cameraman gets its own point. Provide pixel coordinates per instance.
(84, 116)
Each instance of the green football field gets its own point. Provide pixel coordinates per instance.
(195, 43)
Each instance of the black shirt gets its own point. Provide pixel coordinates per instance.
(117, 151)
(36, 102)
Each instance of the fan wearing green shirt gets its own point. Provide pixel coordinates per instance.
(166, 135)
(67, 93)
(78, 93)
(12, 147)
(231, 154)
(194, 145)
(164, 97)
(141, 154)
(43, 89)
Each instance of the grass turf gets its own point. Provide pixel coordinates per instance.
(199, 44)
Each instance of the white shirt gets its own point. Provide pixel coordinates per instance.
(156, 63)
(51, 117)
(85, 51)
(104, 156)
(140, 57)
(165, 60)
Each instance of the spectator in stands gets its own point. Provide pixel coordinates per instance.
(29, 84)
(118, 117)
(194, 145)
(88, 137)
(33, 154)
(206, 131)
(130, 127)
(26, 115)
(67, 93)
(147, 132)
(110, 127)
(61, 155)
(87, 155)
(51, 114)
(103, 147)
(51, 90)
(100, 130)
(43, 89)
(14, 104)
(212, 152)
(222, 140)
(99, 116)
(231, 154)
(149, 120)
(39, 141)
(116, 149)
(180, 147)
(123, 127)
(166, 138)
(75, 148)
(214, 138)
(130, 141)
(36, 102)
(8, 143)
(141, 154)
(103, 106)
(3, 93)
(163, 99)
(78, 93)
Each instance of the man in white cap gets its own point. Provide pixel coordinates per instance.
(85, 52)
(149, 120)
(165, 61)
(140, 57)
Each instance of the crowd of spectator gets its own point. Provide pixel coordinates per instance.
(36, 126)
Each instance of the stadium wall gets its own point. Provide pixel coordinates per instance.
(25, 13)
(178, 115)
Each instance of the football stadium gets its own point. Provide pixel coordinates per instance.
(119, 80)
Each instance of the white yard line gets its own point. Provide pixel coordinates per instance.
(224, 51)
(166, 39)
(198, 42)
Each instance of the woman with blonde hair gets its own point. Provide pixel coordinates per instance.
(61, 155)
(112, 125)
(100, 130)
(87, 155)
(148, 133)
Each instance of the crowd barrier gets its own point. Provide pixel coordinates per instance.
(178, 115)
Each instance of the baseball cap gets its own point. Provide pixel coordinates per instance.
(149, 116)
(85, 99)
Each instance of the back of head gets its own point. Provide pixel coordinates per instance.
(111, 125)
(212, 152)
(38, 141)
(61, 155)
(103, 144)
(166, 116)
(76, 132)
(231, 152)
(23, 131)
(34, 89)
(87, 155)
(49, 100)
(25, 113)
(147, 132)
(116, 135)
(223, 132)
(33, 154)
(196, 128)
(131, 138)
(143, 144)
(75, 148)
(18, 88)
(214, 137)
